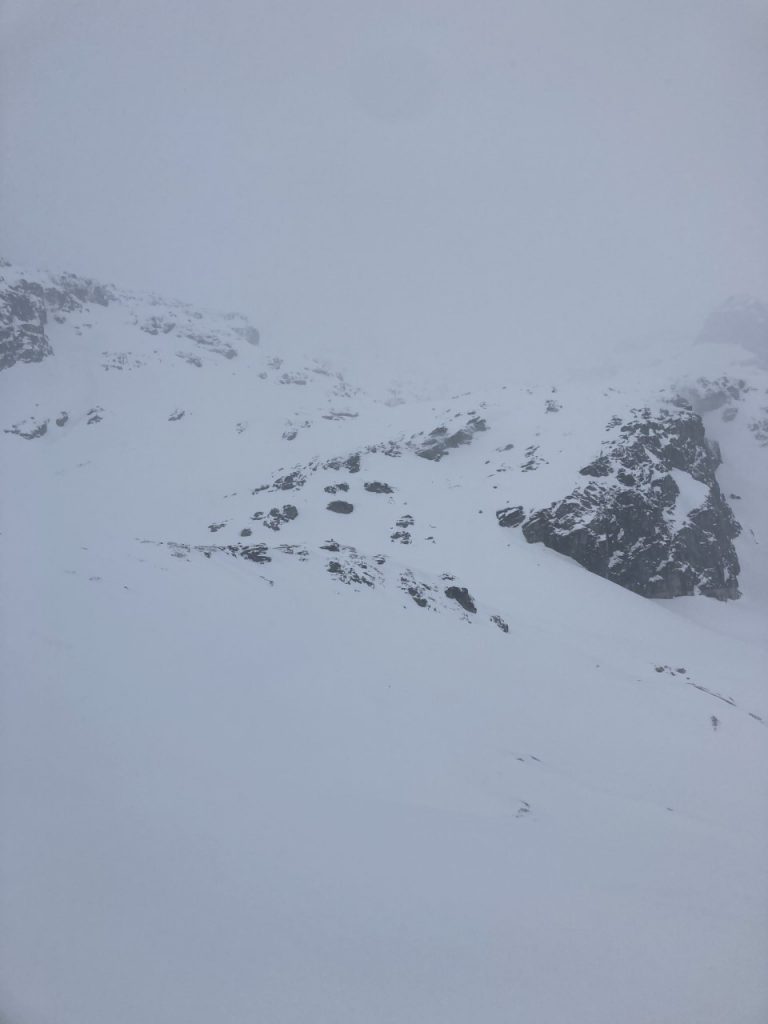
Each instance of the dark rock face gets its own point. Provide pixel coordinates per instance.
(255, 553)
(344, 507)
(352, 572)
(440, 442)
(69, 292)
(463, 597)
(24, 309)
(402, 533)
(290, 481)
(278, 517)
(632, 525)
(376, 487)
(29, 429)
(354, 569)
(600, 467)
(351, 463)
(421, 593)
(22, 325)
(416, 594)
(340, 415)
(510, 516)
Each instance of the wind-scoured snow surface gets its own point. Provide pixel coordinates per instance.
(386, 761)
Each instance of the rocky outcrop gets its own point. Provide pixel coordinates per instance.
(512, 516)
(30, 429)
(278, 517)
(68, 293)
(462, 597)
(441, 441)
(652, 517)
(22, 324)
(27, 305)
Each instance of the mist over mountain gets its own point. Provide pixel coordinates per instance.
(383, 555)
(442, 188)
(740, 320)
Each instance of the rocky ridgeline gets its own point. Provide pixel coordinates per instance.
(432, 446)
(28, 305)
(652, 517)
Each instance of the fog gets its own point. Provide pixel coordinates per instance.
(439, 752)
(455, 189)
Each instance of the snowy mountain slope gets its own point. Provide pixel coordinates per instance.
(290, 773)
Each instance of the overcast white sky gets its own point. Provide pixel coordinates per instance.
(432, 180)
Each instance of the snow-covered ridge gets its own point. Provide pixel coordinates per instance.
(418, 476)
(29, 300)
